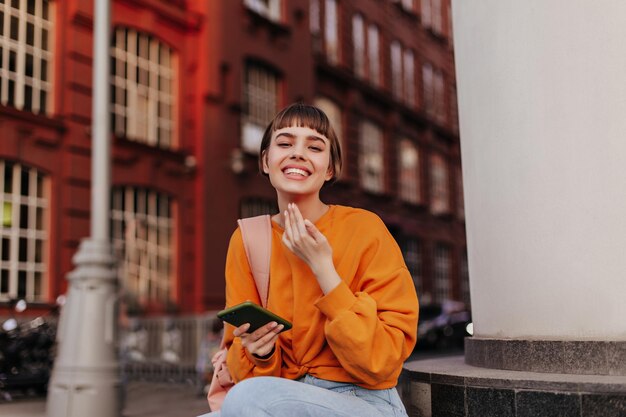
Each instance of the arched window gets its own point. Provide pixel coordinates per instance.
(142, 80)
(371, 158)
(412, 252)
(142, 229)
(260, 90)
(358, 45)
(439, 185)
(409, 178)
(23, 232)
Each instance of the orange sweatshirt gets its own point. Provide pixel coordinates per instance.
(361, 332)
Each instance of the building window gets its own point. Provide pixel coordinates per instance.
(439, 189)
(260, 105)
(23, 232)
(454, 109)
(460, 201)
(428, 89)
(371, 162)
(331, 30)
(335, 116)
(426, 13)
(436, 16)
(257, 206)
(373, 46)
(439, 107)
(25, 55)
(396, 69)
(402, 73)
(408, 5)
(142, 228)
(412, 252)
(450, 31)
(358, 43)
(142, 77)
(408, 158)
(267, 8)
(432, 15)
(465, 287)
(442, 273)
(409, 77)
(314, 16)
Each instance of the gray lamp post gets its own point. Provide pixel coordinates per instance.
(85, 380)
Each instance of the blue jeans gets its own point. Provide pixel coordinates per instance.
(308, 397)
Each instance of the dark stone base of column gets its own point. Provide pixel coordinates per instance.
(449, 387)
(553, 356)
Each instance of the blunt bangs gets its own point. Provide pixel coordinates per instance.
(302, 115)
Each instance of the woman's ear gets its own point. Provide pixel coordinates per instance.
(266, 168)
(330, 173)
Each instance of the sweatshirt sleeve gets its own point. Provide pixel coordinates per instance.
(240, 287)
(372, 327)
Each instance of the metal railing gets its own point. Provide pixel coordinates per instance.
(169, 349)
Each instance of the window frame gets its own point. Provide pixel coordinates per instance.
(397, 77)
(136, 210)
(439, 184)
(373, 55)
(413, 253)
(409, 179)
(371, 152)
(27, 257)
(442, 286)
(260, 104)
(271, 9)
(358, 42)
(141, 112)
(332, 43)
(15, 81)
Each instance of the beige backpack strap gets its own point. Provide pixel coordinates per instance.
(257, 241)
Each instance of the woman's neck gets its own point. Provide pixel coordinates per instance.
(312, 208)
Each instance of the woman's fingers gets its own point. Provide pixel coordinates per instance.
(269, 337)
(299, 221)
(241, 329)
(261, 341)
(293, 223)
(288, 227)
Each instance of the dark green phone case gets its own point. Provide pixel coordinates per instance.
(249, 312)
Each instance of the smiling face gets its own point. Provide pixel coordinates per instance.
(297, 161)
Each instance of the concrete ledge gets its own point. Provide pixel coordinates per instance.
(566, 357)
(449, 387)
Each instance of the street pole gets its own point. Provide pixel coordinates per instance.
(86, 379)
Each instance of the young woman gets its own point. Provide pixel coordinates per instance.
(337, 274)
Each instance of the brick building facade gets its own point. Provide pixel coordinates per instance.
(193, 83)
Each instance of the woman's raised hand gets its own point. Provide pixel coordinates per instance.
(305, 240)
(309, 244)
(261, 341)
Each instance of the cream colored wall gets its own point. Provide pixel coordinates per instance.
(542, 103)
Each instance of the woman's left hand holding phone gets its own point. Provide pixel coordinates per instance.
(260, 342)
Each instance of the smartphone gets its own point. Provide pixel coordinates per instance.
(249, 312)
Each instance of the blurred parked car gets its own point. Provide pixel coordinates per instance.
(443, 325)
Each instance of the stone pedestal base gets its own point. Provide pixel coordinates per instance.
(448, 387)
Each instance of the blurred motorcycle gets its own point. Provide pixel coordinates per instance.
(26, 354)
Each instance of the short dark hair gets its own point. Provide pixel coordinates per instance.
(304, 115)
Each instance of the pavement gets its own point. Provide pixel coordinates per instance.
(151, 399)
(143, 400)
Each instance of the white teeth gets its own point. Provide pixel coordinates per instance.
(296, 171)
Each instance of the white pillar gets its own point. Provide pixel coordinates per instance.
(86, 377)
(542, 103)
